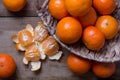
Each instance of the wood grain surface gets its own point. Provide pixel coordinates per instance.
(10, 23)
(29, 10)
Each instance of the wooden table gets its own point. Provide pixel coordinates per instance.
(51, 70)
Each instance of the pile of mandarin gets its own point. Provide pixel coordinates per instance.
(88, 20)
(37, 44)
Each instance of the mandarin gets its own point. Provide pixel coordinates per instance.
(25, 37)
(57, 8)
(69, 30)
(78, 7)
(104, 6)
(108, 25)
(78, 65)
(93, 38)
(89, 19)
(7, 66)
(103, 70)
(14, 5)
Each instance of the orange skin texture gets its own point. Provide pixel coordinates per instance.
(69, 30)
(25, 33)
(78, 7)
(93, 38)
(7, 66)
(78, 65)
(57, 8)
(103, 70)
(104, 7)
(108, 25)
(89, 19)
(14, 5)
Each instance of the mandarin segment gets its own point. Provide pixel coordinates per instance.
(40, 32)
(32, 53)
(20, 47)
(25, 37)
(50, 46)
(41, 51)
(30, 28)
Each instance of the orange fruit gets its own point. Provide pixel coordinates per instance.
(25, 37)
(7, 66)
(14, 5)
(108, 25)
(104, 6)
(103, 70)
(93, 38)
(78, 65)
(69, 30)
(89, 19)
(57, 8)
(78, 7)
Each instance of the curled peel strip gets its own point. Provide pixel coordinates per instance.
(56, 56)
(25, 61)
(35, 65)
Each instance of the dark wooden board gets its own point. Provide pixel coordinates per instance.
(10, 23)
(51, 70)
(28, 10)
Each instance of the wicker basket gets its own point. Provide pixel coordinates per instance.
(109, 53)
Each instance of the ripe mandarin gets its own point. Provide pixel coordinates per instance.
(7, 66)
(69, 30)
(104, 6)
(108, 25)
(93, 38)
(14, 5)
(103, 70)
(78, 7)
(78, 65)
(89, 19)
(57, 8)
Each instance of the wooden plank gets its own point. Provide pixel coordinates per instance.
(29, 10)
(17, 23)
(51, 70)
